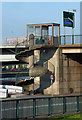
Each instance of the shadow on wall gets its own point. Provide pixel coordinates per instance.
(45, 82)
(47, 53)
(76, 57)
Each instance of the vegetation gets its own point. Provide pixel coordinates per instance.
(64, 117)
(69, 117)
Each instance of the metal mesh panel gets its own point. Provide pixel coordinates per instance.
(41, 107)
(55, 40)
(56, 105)
(0, 110)
(25, 108)
(80, 104)
(71, 104)
(9, 109)
(71, 39)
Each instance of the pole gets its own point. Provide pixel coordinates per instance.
(52, 87)
(64, 35)
(72, 35)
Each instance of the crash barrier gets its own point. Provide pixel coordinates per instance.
(3, 93)
(12, 89)
(40, 106)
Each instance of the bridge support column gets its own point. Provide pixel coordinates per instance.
(31, 58)
(36, 59)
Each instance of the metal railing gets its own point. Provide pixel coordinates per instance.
(52, 40)
(38, 40)
(70, 39)
(19, 44)
(15, 41)
(46, 40)
(63, 39)
(39, 106)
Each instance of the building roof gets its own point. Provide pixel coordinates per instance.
(44, 24)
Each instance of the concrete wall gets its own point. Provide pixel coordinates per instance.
(55, 86)
(70, 81)
(66, 66)
(68, 74)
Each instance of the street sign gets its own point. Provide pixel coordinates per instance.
(68, 19)
(52, 77)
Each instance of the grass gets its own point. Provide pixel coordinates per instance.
(63, 117)
(69, 117)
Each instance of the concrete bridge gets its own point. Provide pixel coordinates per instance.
(7, 54)
(73, 48)
(63, 61)
(51, 55)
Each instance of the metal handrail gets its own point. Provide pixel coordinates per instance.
(45, 39)
(45, 97)
(18, 44)
(70, 39)
(70, 35)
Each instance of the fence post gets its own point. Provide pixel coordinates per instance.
(64, 105)
(49, 106)
(60, 41)
(64, 40)
(34, 108)
(72, 39)
(17, 109)
(77, 103)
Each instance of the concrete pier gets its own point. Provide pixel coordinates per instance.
(68, 67)
(63, 61)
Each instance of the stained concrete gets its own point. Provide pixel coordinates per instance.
(65, 66)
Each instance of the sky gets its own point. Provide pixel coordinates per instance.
(16, 16)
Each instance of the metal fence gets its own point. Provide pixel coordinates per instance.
(47, 40)
(70, 39)
(40, 106)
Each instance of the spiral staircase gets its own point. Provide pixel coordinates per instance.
(38, 66)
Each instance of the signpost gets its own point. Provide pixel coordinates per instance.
(52, 78)
(68, 21)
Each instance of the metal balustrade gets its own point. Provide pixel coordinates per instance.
(40, 106)
(70, 39)
(63, 39)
